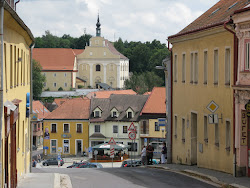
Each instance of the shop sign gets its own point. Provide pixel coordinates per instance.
(66, 135)
(243, 130)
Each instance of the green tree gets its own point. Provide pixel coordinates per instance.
(38, 79)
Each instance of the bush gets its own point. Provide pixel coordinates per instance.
(47, 89)
(80, 86)
(60, 89)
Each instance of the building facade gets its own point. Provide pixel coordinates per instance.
(66, 129)
(203, 75)
(102, 63)
(58, 66)
(241, 19)
(15, 96)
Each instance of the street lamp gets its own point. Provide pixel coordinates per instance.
(166, 66)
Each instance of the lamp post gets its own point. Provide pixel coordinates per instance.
(166, 66)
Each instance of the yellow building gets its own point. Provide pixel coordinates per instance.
(66, 129)
(102, 63)
(17, 41)
(202, 103)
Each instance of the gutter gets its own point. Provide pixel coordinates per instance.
(234, 81)
(16, 3)
(1, 87)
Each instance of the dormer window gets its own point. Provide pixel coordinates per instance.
(129, 114)
(97, 114)
(114, 114)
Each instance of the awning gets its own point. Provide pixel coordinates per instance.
(10, 105)
(107, 146)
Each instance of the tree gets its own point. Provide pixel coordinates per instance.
(38, 79)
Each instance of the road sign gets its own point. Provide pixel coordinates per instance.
(112, 152)
(213, 118)
(212, 106)
(58, 157)
(132, 127)
(59, 149)
(161, 121)
(132, 135)
(95, 152)
(45, 147)
(145, 141)
(112, 141)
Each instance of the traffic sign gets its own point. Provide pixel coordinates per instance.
(112, 152)
(45, 147)
(58, 157)
(132, 135)
(90, 149)
(95, 152)
(212, 106)
(132, 127)
(59, 149)
(213, 118)
(112, 141)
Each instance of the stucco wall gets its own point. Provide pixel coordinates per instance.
(59, 78)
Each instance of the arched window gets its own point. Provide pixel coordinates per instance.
(98, 68)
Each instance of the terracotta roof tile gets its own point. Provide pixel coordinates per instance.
(60, 101)
(218, 14)
(56, 58)
(106, 94)
(156, 102)
(40, 109)
(77, 108)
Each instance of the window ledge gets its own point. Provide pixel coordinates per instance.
(205, 83)
(227, 84)
(195, 82)
(216, 84)
(217, 144)
(183, 81)
(53, 132)
(175, 136)
(245, 71)
(206, 140)
(227, 149)
(183, 140)
(191, 82)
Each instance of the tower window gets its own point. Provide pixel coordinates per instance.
(98, 68)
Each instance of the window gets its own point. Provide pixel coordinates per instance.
(125, 129)
(65, 74)
(144, 129)
(227, 67)
(196, 68)
(133, 146)
(65, 84)
(115, 129)
(129, 114)
(11, 66)
(183, 130)
(44, 84)
(14, 66)
(205, 67)
(54, 84)
(192, 68)
(247, 59)
(216, 130)
(114, 114)
(24, 63)
(157, 127)
(98, 68)
(66, 128)
(183, 68)
(104, 53)
(216, 67)
(79, 128)
(44, 74)
(205, 130)
(53, 146)
(65, 146)
(97, 114)
(5, 67)
(228, 135)
(175, 68)
(175, 126)
(97, 128)
(90, 53)
(53, 128)
(54, 74)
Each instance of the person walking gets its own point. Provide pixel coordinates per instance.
(150, 154)
(163, 153)
(143, 155)
(38, 158)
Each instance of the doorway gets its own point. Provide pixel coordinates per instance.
(193, 139)
(78, 147)
(248, 153)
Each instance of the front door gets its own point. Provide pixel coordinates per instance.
(193, 139)
(13, 173)
(78, 147)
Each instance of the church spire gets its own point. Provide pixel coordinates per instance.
(98, 27)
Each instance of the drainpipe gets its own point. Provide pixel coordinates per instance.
(31, 101)
(1, 87)
(16, 3)
(234, 81)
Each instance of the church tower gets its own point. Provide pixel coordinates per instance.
(98, 27)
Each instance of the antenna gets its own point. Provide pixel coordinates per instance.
(84, 31)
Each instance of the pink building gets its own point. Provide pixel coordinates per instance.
(241, 20)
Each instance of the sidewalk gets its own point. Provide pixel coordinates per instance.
(207, 174)
(40, 180)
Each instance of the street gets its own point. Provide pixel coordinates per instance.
(124, 178)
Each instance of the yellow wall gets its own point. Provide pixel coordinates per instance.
(193, 98)
(60, 79)
(84, 136)
(17, 37)
(152, 132)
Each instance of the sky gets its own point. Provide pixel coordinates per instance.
(131, 20)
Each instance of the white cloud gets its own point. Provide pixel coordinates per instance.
(132, 20)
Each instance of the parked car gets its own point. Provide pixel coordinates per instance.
(75, 165)
(34, 148)
(52, 161)
(95, 165)
(135, 163)
(85, 164)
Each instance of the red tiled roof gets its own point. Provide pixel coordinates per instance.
(77, 108)
(56, 58)
(106, 94)
(147, 93)
(216, 15)
(40, 109)
(60, 101)
(156, 102)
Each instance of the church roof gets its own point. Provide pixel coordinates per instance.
(57, 59)
(114, 50)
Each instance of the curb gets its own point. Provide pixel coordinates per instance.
(65, 181)
(57, 183)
